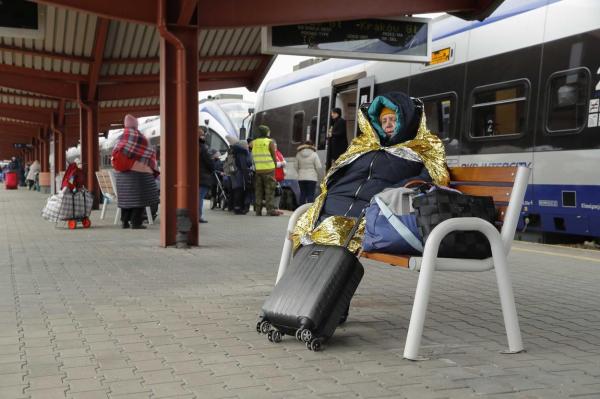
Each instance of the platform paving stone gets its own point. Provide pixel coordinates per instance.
(106, 313)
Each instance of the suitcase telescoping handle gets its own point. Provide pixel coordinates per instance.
(355, 227)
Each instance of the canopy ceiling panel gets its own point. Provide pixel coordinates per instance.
(66, 47)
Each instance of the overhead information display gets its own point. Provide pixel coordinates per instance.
(21, 19)
(398, 39)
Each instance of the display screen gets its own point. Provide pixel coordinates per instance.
(364, 38)
(18, 14)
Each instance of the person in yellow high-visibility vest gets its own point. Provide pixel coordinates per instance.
(265, 161)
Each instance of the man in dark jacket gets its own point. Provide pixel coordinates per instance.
(241, 179)
(206, 171)
(337, 139)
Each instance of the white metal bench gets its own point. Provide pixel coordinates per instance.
(507, 185)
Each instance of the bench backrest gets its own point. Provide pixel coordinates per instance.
(496, 182)
(503, 184)
(105, 182)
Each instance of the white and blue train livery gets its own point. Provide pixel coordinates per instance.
(520, 87)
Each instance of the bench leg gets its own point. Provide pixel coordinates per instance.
(286, 253)
(104, 204)
(417, 316)
(507, 300)
(117, 215)
(149, 215)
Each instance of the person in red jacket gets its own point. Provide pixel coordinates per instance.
(279, 176)
(135, 167)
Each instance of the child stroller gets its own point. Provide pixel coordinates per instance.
(219, 196)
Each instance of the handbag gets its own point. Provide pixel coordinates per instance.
(391, 225)
(278, 190)
(439, 204)
(229, 166)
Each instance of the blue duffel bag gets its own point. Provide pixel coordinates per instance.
(391, 224)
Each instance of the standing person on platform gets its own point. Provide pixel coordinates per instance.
(245, 174)
(34, 169)
(337, 139)
(279, 175)
(206, 172)
(309, 166)
(263, 152)
(135, 164)
(13, 165)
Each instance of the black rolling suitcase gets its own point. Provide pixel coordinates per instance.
(311, 297)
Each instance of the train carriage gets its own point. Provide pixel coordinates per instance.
(520, 87)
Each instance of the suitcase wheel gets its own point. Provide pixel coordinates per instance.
(72, 224)
(264, 326)
(275, 336)
(315, 345)
(306, 335)
(86, 223)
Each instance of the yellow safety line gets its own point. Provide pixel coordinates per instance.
(557, 254)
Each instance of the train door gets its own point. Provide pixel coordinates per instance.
(364, 94)
(345, 98)
(346, 93)
(323, 121)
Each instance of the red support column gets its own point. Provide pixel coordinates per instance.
(179, 125)
(45, 151)
(59, 144)
(88, 114)
(36, 149)
(60, 150)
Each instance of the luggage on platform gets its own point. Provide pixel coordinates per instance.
(313, 295)
(11, 180)
(437, 205)
(391, 223)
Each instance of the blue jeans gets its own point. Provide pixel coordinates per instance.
(202, 191)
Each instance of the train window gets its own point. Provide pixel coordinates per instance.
(216, 142)
(566, 101)
(499, 109)
(439, 110)
(323, 118)
(298, 127)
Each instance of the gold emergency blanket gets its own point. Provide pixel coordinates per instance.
(425, 147)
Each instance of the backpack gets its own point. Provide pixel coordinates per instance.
(229, 166)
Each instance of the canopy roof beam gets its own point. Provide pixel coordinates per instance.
(231, 13)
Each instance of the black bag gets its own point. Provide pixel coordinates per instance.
(438, 205)
(310, 299)
(278, 190)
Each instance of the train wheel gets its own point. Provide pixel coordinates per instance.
(72, 224)
(86, 223)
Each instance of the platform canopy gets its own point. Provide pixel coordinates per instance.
(109, 51)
